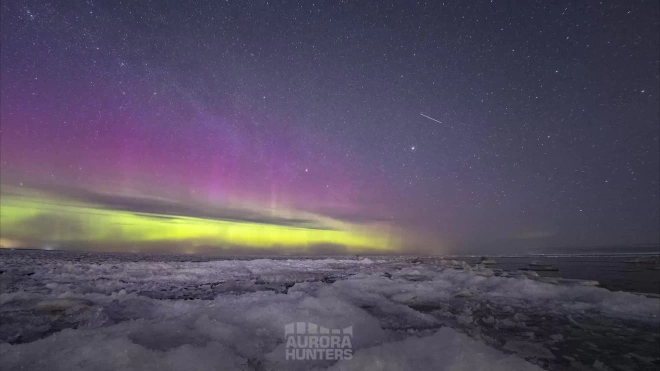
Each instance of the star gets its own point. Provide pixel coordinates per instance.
(233, 99)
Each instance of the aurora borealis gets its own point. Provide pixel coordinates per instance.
(69, 221)
(334, 126)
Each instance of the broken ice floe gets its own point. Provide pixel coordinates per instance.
(231, 313)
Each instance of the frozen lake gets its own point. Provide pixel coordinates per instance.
(617, 272)
(79, 311)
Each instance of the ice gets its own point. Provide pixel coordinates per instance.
(489, 320)
(119, 347)
(600, 366)
(528, 349)
(557, 337)
(104, 313)
(63, 304)
(520, 317)
(466, 320)
(444, 350)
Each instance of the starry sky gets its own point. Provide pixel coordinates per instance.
(403, 125)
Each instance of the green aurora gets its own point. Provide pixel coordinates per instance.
(36, 218)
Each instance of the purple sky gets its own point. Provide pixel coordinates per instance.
(544, 128)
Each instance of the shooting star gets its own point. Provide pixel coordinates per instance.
(431, 118)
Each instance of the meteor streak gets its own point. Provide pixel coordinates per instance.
(431, 118)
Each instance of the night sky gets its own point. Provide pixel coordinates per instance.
(429, 126)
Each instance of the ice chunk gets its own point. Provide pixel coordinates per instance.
(520, 317)
(489, 320)
(447, 349)
(465, 320)
(528, 349)
(576, 282)
(58, 305)
(600, 366)
(463, 294)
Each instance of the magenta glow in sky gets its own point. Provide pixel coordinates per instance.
(542, 134)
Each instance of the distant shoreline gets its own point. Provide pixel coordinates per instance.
(250, 253)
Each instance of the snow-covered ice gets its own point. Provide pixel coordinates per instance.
(73, 311)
